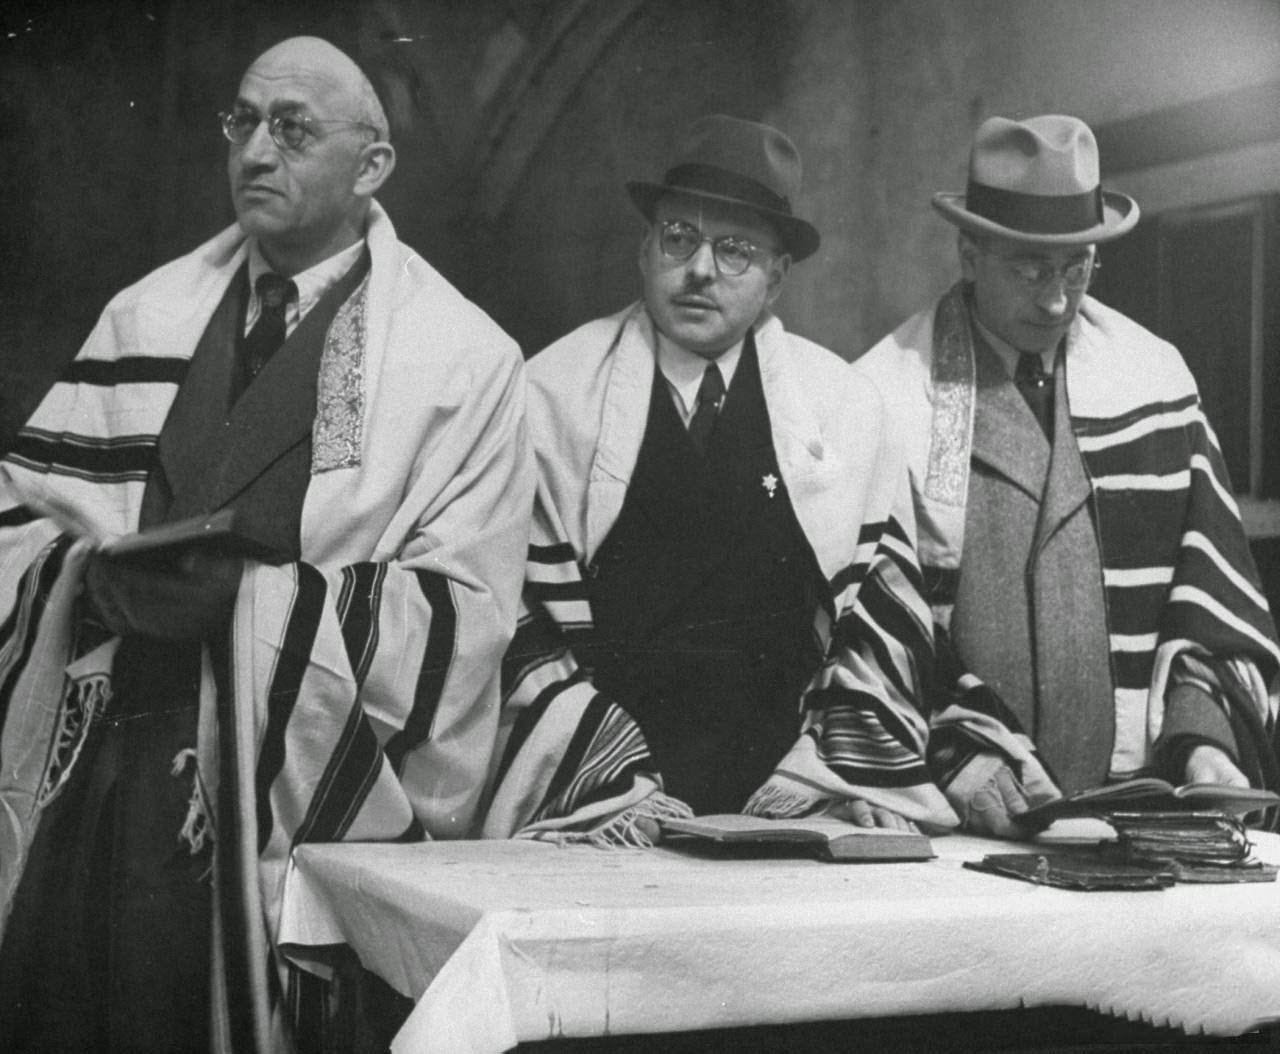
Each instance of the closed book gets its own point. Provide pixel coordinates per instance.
(824, 836)
(215, 534)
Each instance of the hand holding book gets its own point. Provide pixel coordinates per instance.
(175, 581)
(188, 599)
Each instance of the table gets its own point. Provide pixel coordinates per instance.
(503, 942)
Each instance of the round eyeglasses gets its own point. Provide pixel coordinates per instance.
(1036, 274)
(733, 255)
(289, 131)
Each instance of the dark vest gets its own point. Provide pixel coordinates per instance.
(703, 596)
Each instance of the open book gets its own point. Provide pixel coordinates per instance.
(825, 836)
(1150, 793)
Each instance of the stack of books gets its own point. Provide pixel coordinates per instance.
(1196, 846)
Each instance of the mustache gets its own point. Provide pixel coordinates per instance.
(694, 285)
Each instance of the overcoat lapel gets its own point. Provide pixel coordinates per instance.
(1006, 435)
(1067, 487)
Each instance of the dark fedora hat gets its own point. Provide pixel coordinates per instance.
(737, 162)
(1037, 181)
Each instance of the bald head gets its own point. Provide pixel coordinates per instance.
(308, 152)
(331, 69)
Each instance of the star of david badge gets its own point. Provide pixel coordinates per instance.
(770, 483)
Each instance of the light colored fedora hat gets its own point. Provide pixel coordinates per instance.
(737, 162)
(1037, 180)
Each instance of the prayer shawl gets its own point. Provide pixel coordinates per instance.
(361, 695)
(1181, 593)
(573, 763)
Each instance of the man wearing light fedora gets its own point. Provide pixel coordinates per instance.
(1097, 612)
(721, 605)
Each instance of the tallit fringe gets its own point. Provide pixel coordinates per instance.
(86, 698)
(624, 830)
(774, 801)
(197, 827)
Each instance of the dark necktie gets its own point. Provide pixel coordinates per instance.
(274, 294)
(1036, 387)
(710, 392)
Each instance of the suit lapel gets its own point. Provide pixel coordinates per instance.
(193, 436)
(273, 415)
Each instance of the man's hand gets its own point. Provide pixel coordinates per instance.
(1209, 764)
(988, 795)
(190, 601)
(864, 814)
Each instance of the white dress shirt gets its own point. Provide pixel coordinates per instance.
(1009, 355)
(683, 372)
(312, 284)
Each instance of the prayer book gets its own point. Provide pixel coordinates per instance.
(1149, 793)
(214, 533)
(824, 836)
(1066, 870)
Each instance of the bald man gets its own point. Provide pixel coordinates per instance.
(170, 729)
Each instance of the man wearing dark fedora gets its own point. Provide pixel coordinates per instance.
(1097, 612)
(721, 606)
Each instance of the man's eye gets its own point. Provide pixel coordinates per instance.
(682, 237)
(731, 249)
(245, 122)
(292, 129)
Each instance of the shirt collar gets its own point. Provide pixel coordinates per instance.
(1009, 355)
(312, 283)
(683, 369)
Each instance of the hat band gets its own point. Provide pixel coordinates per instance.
(709, 179)
(1036, 213)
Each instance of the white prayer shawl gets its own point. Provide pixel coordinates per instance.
(843, 470)
(1135, 411)
(365, 679)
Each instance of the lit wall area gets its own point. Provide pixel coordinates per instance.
(1185, 98)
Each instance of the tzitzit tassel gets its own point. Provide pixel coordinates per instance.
(774, 801)
(197, 826)
(624, 831)
(85, 699)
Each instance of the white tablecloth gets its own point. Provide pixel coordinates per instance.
(500, 942)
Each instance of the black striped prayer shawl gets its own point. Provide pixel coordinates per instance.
(1182, 595)
(572, 762)
(361, 684)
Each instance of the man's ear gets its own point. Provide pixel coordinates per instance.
(779, 266)
(377, 162)
(643, 250)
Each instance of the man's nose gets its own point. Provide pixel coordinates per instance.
(702, 263)
(259, 148)
(1052, 296)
